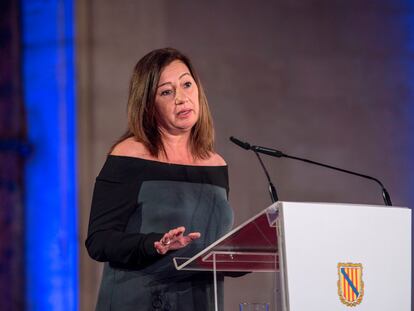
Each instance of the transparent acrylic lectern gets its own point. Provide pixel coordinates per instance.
(251, 247)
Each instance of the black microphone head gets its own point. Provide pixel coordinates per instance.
(240, 143)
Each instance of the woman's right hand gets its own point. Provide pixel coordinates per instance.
(175, 239)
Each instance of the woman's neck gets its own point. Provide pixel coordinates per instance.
(177, 148)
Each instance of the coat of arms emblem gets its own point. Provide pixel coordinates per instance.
(350, 283)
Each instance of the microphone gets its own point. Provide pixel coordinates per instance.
(264, 150)
(244, 145)
(278, 154)
(240, 143)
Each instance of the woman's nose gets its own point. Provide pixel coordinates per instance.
(180, 98)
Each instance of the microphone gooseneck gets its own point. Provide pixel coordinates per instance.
(272, 190)
(385, 195)
(276, 153)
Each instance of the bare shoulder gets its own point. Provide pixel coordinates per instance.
(216, 160)
(130, 148)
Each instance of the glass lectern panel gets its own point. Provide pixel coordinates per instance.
(250, 247)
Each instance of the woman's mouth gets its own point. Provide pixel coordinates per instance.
(184, 113)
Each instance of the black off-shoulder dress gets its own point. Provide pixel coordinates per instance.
(135, 202)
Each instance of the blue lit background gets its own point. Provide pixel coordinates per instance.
(49, 96)
(410, 134)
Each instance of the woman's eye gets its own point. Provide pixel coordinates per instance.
(166, 92)
(187, 84)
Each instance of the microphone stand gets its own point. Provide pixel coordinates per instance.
(385, 195)
(279, 154)
(272, 190)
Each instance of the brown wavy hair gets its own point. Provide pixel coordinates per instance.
(142, 121)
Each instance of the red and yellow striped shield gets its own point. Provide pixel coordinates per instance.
(350, 283)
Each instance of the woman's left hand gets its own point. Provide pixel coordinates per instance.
(175, 239)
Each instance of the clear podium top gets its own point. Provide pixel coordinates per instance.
(252, 246)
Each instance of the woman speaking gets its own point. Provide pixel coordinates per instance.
(162, 192)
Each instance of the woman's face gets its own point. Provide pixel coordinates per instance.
(176, 100)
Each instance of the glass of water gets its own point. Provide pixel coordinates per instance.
(254, 306)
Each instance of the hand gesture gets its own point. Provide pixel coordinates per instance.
(175, 239)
